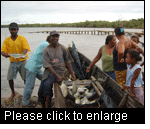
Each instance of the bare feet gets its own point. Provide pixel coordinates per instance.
(12, 96)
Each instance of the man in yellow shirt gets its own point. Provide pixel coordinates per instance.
(15, 44)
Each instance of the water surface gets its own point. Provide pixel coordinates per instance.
(86, 44)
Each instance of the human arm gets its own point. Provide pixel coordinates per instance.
(58, 78)
(96, 59)
(68, 59)
(48, 65)
(121, 50)
(5, 54)
(25, 45)
(135, 76)
(133, 45)
(71, 71)
(25, 51)
(4, 49)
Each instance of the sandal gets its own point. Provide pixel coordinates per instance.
(30, 105)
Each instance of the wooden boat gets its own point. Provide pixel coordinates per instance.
(108, 93)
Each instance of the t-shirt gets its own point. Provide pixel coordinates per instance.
(35, 62)
(130, 73)
(15, 47)
(57, 58)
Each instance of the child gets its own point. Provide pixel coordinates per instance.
(135, 38)
(134, 75)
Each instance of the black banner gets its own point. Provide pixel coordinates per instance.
(73, 116)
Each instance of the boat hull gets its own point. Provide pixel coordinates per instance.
(107, 91)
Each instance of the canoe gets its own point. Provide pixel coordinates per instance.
(107, 92)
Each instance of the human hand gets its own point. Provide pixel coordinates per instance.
(59, 79)
(88, 69)
(123, 87)
(132, 94)
(142, 64)
(6, 55)
(73, 77)
(121, 60)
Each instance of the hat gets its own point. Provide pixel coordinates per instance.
(54, 32)
(13, 25)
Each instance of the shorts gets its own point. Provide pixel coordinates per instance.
(14, 68)
(111, 74)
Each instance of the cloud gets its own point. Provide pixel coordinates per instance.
(68, 11)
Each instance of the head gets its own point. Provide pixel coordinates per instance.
(119, 31)
(48, 39)
(54, 37)
(135, 38)
(111, 39)
(13, 28)
(133, 56)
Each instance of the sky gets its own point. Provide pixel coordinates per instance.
(23, 12)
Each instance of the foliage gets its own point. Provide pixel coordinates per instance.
(134, 23)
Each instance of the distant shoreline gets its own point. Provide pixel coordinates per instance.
(134, 24)
(70, 27)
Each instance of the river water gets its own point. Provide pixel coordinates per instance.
(86, 44)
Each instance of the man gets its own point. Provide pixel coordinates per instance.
(55, 58)
(11, 45)
(33, 71)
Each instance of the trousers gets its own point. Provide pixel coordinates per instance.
(29, 86)
(46, 88)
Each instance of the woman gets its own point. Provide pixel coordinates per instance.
(106, 53)
(135, 38)
(119, 55)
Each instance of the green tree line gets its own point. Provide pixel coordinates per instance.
(134, 23)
